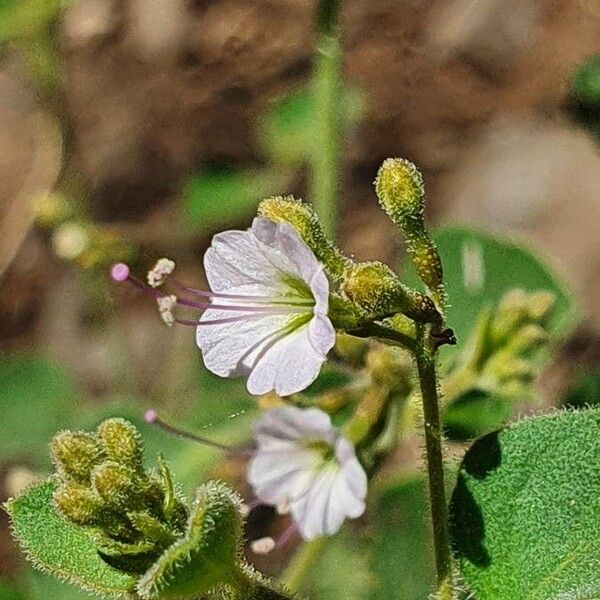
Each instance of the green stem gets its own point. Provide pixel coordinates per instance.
(325, 165)
(425, 358)
(304, 560)
(386, 334)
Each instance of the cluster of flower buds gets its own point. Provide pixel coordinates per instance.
(500, 356)
(142, 527)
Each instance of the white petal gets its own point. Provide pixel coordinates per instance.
(310, 510)
(231, 349)
(352, 470)
(275, 476)
(292, 423)
(286, 249)
(288, 366)
(321, 334)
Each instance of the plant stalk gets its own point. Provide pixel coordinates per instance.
(325, 164)
(425, 359)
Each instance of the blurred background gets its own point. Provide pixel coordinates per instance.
(135, 129)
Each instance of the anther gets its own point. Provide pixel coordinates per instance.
(159, 273)
(263, 546)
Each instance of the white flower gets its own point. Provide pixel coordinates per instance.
(271, 299)
(304, 464)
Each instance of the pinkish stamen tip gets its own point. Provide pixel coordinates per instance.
(150, 416)
(119, 272)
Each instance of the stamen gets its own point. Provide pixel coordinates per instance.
(151, 417)
(162, 269)
(263, 546)
(166, 304)
(119, 272)
(286, 536)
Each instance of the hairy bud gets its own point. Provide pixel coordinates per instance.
(121, 441)
(401, 193)
(78, 504)
(76, 454)
(115, 484)
(303, 218)
(377, 290)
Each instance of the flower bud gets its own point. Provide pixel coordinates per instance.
(121, 441)
(541, 304)
(401, 193)
(114, 483)
(376, 289)
(76, 454)
(78, 504)
(400, 189)
(303, 218)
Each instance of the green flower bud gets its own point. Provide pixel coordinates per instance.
(76, 454)
(512, 313)
(115, 484)
(121, 441)
(401, 193)
(541, 304)
(376, 289)
(151, 528)
(78, 504)
(303, 218)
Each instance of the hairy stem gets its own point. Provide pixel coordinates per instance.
(302, 563)
(425, 358)
(325, 165)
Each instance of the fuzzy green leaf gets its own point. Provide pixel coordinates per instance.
(525, 512)
(57, 547)
(207, 555)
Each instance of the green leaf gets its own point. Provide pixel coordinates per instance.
(480, 268)
(55, 546)
(474, 414)
(585, 83)
(401, 555)
(206, 556)
(525, 512)
(37, 399)
(220, 196)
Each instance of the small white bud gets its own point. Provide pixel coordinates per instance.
(166, 304)
(162, 269)
(263, 545)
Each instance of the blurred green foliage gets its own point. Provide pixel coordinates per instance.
(37, 399)
(221, 195)
(584, 94)
(479, 270)
(584, 391)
